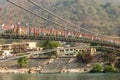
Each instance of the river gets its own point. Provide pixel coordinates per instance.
(70, 76)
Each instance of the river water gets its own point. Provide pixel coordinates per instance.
(70, 76)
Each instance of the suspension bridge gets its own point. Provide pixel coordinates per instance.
(65, 33)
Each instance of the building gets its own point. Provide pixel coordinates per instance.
(32, 45)
(18, 47)
(72, 51)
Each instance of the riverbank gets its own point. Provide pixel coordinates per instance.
(36, 71)
(58, 65)
(12, 71)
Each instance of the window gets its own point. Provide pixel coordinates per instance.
(67, 50)
(61, 50)
(71, 49)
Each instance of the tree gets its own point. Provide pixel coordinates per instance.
(79, 57)
(97, 68)
(118, 64)
(50, 44)
(84, 57)
(87, 58)
(110, 69)
(110, 57)
(22, 61)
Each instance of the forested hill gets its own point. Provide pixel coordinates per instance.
(102, 16)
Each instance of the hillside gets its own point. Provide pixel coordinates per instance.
(102, 16)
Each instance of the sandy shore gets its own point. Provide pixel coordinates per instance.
(33, 70)
(5, 70)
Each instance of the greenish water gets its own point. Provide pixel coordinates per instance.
(72, 76)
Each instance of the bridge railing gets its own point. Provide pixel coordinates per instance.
(9, 34)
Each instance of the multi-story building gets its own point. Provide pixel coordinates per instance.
(18, 47)
(72, 51)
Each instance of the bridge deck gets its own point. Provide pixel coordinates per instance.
(59, 38)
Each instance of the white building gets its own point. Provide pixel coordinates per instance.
(72, 51)
(32, 45)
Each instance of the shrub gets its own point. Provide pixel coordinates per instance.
(118, 64)
(22, 61)
(110, 69)
(97, 68)
(79, 57)
(84, 57)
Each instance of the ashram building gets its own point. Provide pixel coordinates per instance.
(18, 47)
(72, 51)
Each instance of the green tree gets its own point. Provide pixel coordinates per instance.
(97, 68)
(50, 44)
(110, 69)
(22, 61)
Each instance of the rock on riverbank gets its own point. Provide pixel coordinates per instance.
(6, 70)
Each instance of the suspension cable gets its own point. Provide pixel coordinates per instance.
(50, 12)
(34, 13)
(56, 23)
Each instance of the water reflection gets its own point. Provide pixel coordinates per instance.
(60, 76)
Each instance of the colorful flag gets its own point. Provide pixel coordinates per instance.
(18, 22)
(2, 26)
(12, 26)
